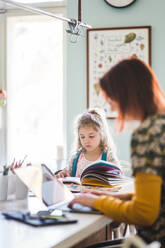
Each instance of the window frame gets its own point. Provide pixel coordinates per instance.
(48, 4)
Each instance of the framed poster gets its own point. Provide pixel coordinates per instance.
(105, 47)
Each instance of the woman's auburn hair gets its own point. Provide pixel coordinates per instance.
(133, 86)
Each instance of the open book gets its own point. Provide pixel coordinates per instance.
(103, 174)
(100, 174)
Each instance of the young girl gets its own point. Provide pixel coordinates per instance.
(92, 142)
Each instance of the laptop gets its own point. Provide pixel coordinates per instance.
(53, 193)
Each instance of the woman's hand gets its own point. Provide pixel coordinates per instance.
(125, 197)
(63, 174)
(88, 199)
(85, 199)
(98, 193)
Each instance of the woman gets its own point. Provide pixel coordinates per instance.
(131, 88)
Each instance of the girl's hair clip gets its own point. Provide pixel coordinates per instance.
(93, 112)
(97, 111)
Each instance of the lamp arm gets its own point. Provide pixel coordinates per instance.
(40, 11)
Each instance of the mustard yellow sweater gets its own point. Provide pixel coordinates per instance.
(144, 206)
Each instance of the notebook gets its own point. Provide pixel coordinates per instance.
(53, 193)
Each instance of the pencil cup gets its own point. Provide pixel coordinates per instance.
(21, 191)
(3, 187)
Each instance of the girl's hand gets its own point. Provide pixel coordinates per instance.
(63, 174)
(85, 199)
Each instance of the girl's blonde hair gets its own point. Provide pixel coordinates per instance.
(96, 119)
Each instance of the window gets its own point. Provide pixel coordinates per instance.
(34, 87)
(38, 1)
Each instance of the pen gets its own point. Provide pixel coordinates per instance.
(12, 165)
(16, 165)
(22, 160)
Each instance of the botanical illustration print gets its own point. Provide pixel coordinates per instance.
(106, 47)
(148, 155)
